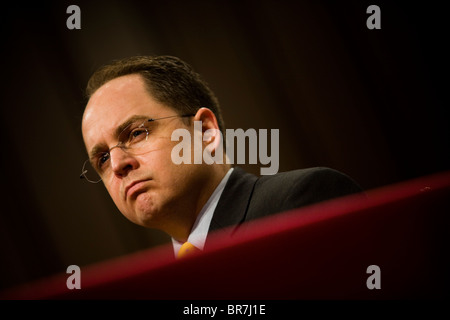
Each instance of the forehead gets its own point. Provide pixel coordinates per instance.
(112, 104)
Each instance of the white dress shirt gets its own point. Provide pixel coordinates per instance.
(201, 225)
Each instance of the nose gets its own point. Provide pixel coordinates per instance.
(122, 162)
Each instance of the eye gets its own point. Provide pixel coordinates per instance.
(137, 135)
(101, 161)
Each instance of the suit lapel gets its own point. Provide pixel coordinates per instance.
(233, 204)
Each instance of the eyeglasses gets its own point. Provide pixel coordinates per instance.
(133, 139)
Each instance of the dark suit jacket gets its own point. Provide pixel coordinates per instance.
(247, 197)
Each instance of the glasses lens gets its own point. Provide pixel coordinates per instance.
(134, 138)
(88, 172)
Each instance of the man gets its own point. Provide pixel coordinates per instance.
(134, 106)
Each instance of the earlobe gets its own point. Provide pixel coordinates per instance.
(213, 149)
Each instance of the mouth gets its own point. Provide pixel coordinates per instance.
(134, 188)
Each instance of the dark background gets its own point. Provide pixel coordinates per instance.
(370, 103)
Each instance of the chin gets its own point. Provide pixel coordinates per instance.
(145, 213)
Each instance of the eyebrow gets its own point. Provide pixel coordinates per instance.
(101, 146)
(127, 122)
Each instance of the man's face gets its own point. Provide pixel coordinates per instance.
(147, 188)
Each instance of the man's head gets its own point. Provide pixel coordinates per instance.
(148, 188)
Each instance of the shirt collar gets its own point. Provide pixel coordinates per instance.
(201, 225)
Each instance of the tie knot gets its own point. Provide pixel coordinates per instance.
(187, 249)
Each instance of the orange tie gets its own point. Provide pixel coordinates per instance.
(187, 249)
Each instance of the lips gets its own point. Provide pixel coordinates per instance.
(134, 187)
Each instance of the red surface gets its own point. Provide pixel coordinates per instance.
(317, 252)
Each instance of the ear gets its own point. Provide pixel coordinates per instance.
(210, 128)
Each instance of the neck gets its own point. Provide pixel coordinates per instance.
(180, 226)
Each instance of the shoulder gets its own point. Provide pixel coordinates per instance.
(297, 188)
(317, 177)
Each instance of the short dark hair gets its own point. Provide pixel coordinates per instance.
(169, 80)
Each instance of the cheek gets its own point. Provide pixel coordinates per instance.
(168, 176)
(159, 161)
